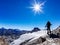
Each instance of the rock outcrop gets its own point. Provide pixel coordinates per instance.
(3, 41)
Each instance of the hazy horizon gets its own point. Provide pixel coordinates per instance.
(27, 27)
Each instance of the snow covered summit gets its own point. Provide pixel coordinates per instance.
(31, 36)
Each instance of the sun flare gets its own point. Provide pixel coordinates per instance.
(37, 7)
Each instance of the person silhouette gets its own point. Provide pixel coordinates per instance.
(48, 25)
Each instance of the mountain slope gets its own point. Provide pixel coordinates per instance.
(33, 36)
(39, 38)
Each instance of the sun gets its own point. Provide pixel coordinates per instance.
(37, 7)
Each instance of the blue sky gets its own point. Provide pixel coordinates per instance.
(15, 14)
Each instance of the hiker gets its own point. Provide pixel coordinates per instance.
(48, 25)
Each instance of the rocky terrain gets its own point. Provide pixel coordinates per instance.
(40, 38)
(12, 34)
(3, 41)
(34, 37)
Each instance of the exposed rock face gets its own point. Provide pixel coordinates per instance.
(51, 41)
(56, 31)
(36, 41)
(48, 41)
(35, 29)
(3, 41)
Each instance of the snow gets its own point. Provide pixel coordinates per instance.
(53, 44)
(27, 36)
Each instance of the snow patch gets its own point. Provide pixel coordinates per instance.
(27, 36)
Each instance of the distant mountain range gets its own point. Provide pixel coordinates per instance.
(17, 32)
(12, 34)
(7, 32)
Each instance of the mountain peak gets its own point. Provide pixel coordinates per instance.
(58, 27)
